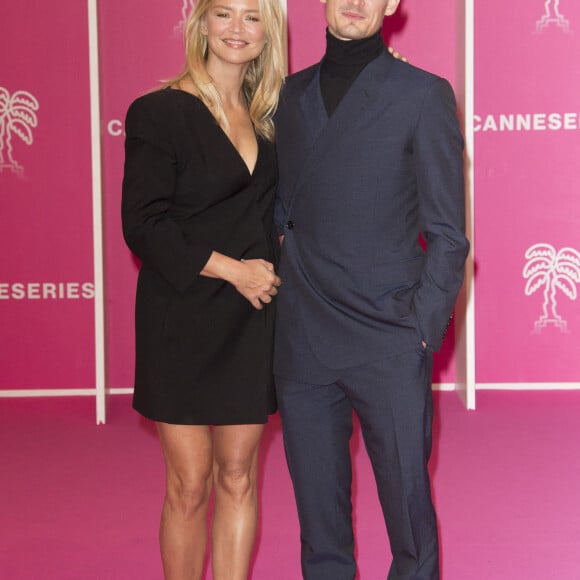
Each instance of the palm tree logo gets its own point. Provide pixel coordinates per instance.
(17, 117)
(551, 270)
(552, 15)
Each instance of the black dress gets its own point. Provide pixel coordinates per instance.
(203, 353)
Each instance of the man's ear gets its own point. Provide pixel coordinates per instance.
(392, 6)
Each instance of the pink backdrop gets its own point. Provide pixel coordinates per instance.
(527, 191)
(156, 53)
(46, 261)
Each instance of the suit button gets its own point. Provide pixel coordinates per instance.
(289, 224)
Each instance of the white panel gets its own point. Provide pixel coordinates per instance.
(465, 311)
(97, 213)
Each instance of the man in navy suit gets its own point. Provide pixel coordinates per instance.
(370, 160)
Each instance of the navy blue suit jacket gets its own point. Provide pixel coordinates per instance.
(355, 192)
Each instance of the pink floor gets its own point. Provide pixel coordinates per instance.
(82, 502)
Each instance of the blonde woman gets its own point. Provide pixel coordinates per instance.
(198, 194)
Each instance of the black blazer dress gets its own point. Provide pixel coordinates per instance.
(203, 353)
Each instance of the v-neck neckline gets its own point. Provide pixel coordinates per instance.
(250, 172)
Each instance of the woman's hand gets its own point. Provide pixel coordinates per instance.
(257, 282)
(396, 54)
(254, 279)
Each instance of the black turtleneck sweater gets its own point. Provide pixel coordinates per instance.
(342, 63)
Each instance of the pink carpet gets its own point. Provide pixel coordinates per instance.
(82, 502)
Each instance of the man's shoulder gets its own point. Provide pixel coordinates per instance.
(410, 73)
(411, 81)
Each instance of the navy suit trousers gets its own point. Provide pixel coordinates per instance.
(393, 401)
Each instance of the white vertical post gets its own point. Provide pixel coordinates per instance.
(465, 310)
(285, 6)
(97, 212)
(470, 146)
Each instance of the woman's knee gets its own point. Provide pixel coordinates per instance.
(237, 480)
(187, 494)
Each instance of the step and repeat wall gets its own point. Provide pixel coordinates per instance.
(527, 205)
(46, 234)
(527, 202)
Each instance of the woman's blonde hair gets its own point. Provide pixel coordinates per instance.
(265, 74)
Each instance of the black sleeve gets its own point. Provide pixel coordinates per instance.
(148, 189)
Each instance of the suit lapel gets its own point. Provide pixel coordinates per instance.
(365, 98)
(354, 111)
(312, 107)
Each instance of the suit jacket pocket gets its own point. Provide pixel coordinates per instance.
(395, 284)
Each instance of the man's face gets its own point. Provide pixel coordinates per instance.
(353, 19)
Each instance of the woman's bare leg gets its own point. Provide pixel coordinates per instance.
(236, 449)
(187, 450)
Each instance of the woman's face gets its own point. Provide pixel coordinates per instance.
(235, 32)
